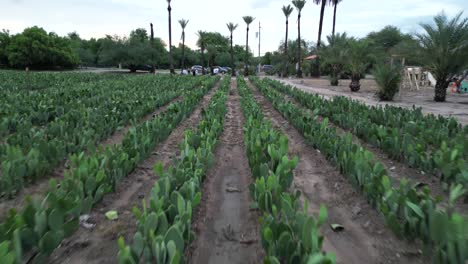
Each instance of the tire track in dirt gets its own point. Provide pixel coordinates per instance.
(99, 244)
(40, 187)
(365, 238)
(226, 230)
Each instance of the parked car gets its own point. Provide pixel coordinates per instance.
(266, 68)
(220, 69)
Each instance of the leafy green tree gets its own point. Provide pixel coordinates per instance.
(36, 49)
(248, 20)
(287, 11)
(444, 50)
(4, 42)
(386, 38)
(299, 4)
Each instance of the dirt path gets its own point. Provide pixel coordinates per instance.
(99, 244)
(365, 238)
(41, 186)
(456, 105)
(226, 230)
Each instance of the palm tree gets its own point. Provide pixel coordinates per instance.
(183, 23)
(201, 42)
(299, 4)
(248, 20)
(444, 50)
(334, 55)
(287, 10)
(170, 37)
(231, 28)
(335, 4)
(357, 59)
(322, 12)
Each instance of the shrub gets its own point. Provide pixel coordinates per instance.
(388, 79)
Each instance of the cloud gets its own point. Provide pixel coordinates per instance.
(91, 18)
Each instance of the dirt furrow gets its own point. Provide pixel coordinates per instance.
(99, 244)
(226, 230)
(365, 238)
(40, 187)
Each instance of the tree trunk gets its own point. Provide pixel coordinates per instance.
(440, 90)
(322, 11)
(355, 84)
(246, 67)
(183, 50)
(233, 72)
(203, 60)
(334, 20)
(286, 73)
(171, 63)
(299, 70)
(152, 46)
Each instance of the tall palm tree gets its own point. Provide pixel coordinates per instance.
(171, 63)
(201, 42)
(183, 23)
(287, 10)
(231, 28)
(322, 12)
(444, 50)
(335, 4)
(248, 20)
(299, 4)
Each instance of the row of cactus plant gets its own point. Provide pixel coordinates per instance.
(409, 213)
(289, 233)
(164, 226)
(32, 152)
(436, 145)
(43, 223)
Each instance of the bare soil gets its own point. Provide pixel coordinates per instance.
(455, 105)
(39, 188)
(226, 230)
(99, 244)
(365, 238)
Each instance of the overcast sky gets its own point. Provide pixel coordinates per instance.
(96, 18)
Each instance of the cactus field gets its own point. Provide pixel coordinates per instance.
(143, 168)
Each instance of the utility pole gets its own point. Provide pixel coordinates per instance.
(259, 61)
(259, 27)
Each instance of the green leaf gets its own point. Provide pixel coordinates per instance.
(159, 168)
(322, 215)
(173, 234)
(56, 219)
(112, 215)
(415, 208)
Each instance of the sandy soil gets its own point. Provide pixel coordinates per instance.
(99, 245)
(226, 230)
(365, 238)
(40, 187)
(455, 106)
